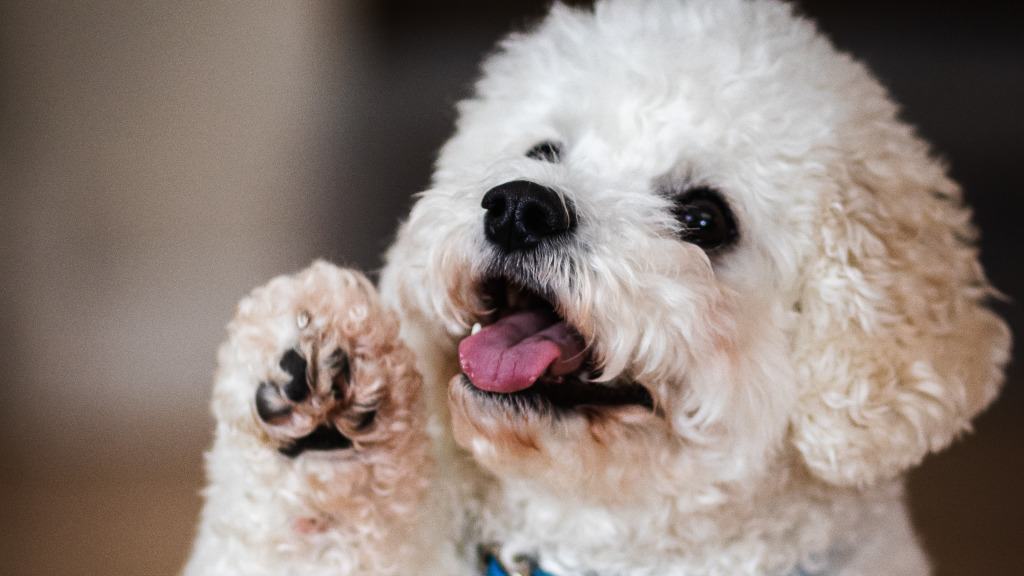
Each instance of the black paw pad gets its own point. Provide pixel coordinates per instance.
(297, 389)
(366, 420)
(269, 404)
(323, 438)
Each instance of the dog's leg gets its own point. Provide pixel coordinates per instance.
(320, 463)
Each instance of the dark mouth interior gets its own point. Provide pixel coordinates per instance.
(570, 394)
(569, 391)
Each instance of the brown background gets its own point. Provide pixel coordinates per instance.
(159, 159)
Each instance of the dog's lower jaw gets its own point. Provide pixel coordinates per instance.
(798, 529)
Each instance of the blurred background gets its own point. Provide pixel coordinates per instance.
(158, 159)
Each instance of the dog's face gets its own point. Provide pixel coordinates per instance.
(674, 246)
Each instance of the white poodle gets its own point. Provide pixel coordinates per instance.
(686, 296)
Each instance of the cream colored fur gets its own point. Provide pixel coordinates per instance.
(797, 376)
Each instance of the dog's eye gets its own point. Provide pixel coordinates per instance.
(546, 151)
(705, 219)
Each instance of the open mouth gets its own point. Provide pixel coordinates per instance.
(526, 353)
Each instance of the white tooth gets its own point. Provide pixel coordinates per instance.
(476, 328)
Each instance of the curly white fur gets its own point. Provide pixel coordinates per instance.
(797, 375)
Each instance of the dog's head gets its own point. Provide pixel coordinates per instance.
(680, 243)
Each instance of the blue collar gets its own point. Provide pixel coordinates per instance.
(496, 568)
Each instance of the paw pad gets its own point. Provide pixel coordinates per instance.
(308, 396)
(324, 437)
(296, 389)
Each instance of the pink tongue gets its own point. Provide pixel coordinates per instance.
(511, 354)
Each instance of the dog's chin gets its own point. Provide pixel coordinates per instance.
(525, 365)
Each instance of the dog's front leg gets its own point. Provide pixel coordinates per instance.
(320, 463)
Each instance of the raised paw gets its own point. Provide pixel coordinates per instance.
(314, 362)
(321, 460)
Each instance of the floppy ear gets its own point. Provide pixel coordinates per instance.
(895, 348)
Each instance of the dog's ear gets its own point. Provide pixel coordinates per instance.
(895, 349)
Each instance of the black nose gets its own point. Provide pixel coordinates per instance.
(521, 214)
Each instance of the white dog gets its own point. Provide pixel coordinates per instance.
(686, 296)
